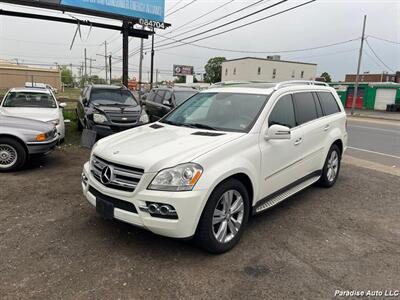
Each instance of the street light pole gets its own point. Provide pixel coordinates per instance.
(353, 104)
(152, 61)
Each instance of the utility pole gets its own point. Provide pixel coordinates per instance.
(105, 59)
(85, 66)
(109, 64)
(152, 61)
(140, 66)
(125, 52)
(353, 104)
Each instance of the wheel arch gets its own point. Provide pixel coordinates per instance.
(339, 143)
(16, 138)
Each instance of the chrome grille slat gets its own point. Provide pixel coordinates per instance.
(124, 178)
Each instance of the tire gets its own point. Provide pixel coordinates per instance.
(12, 154)
(327, 179)
(78, 123)
(206, 233)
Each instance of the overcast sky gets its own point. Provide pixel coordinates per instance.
(320, 23)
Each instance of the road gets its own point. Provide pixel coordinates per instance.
(53, 244)
(376, 141)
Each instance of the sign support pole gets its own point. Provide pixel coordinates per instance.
(152, 62)
(125, 52)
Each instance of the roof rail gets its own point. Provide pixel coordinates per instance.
(299, 82)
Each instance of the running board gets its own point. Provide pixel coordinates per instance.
(278, 198)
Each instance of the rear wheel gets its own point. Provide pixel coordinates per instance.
(12, 154)
(331, 169)
(224, 217)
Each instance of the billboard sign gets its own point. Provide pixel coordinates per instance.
(150, 10)
(180, 70)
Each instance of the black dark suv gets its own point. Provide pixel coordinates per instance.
(108, 109)
(161, 101)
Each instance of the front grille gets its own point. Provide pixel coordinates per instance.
(118, 203)
(123, 178)
(123, 118)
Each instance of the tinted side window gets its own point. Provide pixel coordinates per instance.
(150, 96)
(305, 107)
(328, 103)
(318, 106)
(168, 95)
(283, 113)
(158, 98)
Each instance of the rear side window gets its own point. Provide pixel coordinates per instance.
(328, 103)
(158, 98)
(283, 113)
(305, 107)
(318, 106)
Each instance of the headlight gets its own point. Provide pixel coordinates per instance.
(144, 118)
(41, 137)
(99, 118)
(55, 121)
(180, 178)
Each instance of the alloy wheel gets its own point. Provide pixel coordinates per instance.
(8, 156)
(333, 166)
(228, 216)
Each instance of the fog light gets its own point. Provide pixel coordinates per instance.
(153, 208)
(160, 210)
(84, 178)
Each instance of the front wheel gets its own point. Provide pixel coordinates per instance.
(331, 169)
(12, 155)
(224, 217)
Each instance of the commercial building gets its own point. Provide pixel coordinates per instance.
(15, 75)
(373, 95)
(270, 69)
(378, 77)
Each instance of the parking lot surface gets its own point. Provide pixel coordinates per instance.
(53, 244)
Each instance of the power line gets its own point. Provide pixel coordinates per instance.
(376, 55)
(266, 52)
(385, 40)
(173, 6)
(229, 23)
(186, 5)
(213, 21)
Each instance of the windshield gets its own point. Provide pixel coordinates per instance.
(218, 111)
(112, 97)
(29, 99)
(181, 96)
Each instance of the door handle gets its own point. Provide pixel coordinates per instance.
(327, 127)
(298, 141)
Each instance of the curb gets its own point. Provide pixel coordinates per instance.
(373, 117)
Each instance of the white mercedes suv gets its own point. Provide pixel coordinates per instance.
(221, 156)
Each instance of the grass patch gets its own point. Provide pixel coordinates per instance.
(72, 135)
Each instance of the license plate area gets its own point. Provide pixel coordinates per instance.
(105, 208)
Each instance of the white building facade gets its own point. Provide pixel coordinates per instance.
(270, 69)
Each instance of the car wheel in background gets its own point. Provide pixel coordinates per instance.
(224, 217)
(78, 122)
(12, 154)
(331, 169)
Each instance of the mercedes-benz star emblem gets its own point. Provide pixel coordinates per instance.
(106, 175)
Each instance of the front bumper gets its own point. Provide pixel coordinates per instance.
(42, 147)
(188, 205)
(106, 130)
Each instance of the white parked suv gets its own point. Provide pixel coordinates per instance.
(223, 155)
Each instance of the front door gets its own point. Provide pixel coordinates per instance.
(281, 159)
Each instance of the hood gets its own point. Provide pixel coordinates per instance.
(35, 113)
(23, 123)
(156, 149)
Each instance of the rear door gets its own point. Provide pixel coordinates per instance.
(308, 113)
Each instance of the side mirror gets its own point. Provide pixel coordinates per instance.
(62, 105)
(144, 97)
(277, 132)
(85, 101)
(167, 103)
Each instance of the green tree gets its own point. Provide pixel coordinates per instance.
(180, 79)
(213, 69)
(326, 76)
(66, 76)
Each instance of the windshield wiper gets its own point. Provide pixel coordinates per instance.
(199, 125)
(171, 123)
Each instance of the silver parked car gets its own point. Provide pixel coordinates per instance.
(20, 137)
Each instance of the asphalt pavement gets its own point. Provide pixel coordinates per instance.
(374, 140)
